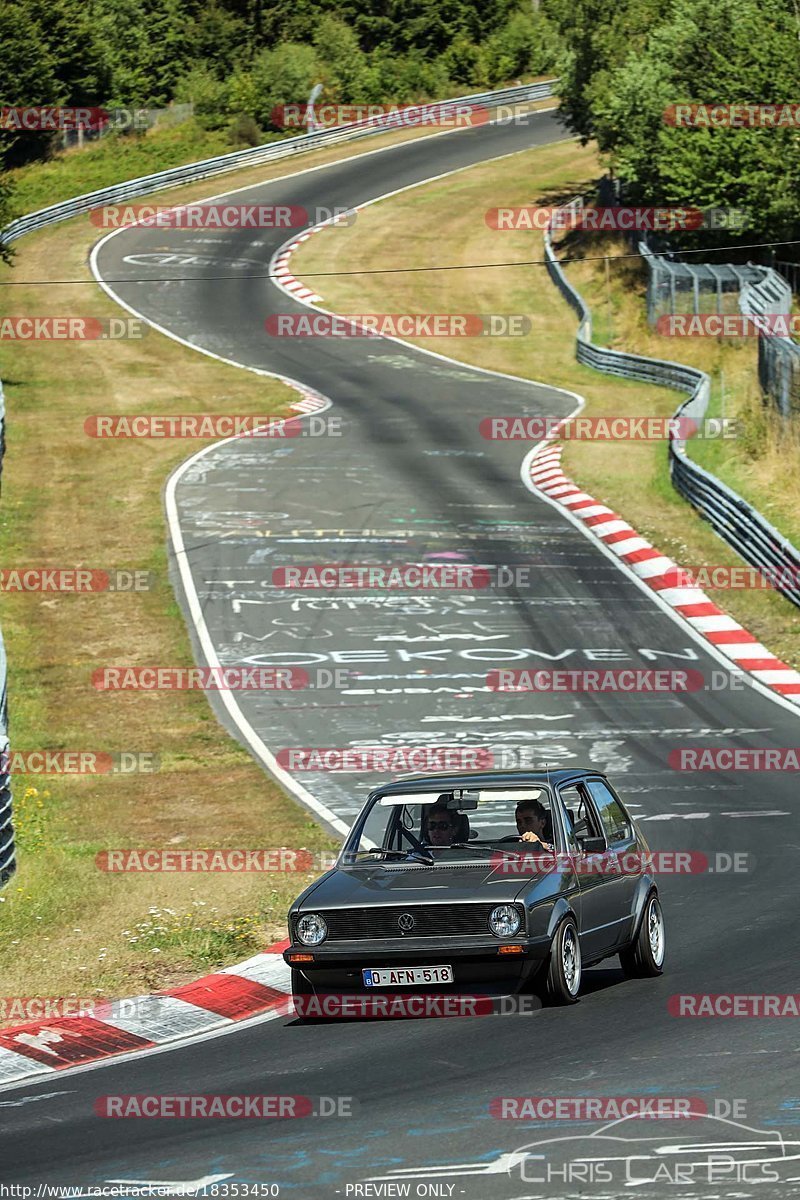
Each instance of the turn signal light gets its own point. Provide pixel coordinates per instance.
(301, 958)
(509, 949)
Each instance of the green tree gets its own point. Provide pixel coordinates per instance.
(344, 62)
(28, 78)
(528, 44)
(714, 52)
(598, 37)
(284, 75)
(70, 35)
(200, 87)
(216, 37)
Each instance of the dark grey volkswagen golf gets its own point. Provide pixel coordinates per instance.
(496, 881)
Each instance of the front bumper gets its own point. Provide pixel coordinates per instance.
(476, 963)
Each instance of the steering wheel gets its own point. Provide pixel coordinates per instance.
(511, 837)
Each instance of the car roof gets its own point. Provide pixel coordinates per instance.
(446, 781)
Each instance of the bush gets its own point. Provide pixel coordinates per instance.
(243, 131)
(528, 44)
(284, 75)
(465, 62)
(344, 64)
(201, 88)
(405, 79)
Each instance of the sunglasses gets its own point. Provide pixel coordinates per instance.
(439, 825)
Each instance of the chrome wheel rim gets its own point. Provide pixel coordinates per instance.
(655, 931)
(571, 960)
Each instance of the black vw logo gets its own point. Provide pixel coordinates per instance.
(406, 922)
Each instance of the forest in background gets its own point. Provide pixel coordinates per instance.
(621, 65)
(236, 60)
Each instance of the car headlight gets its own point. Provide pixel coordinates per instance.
(504, 921)
(311, 929)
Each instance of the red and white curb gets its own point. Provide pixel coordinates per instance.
(311, 401)
(259, 986)
(659, 572)
(279, 268)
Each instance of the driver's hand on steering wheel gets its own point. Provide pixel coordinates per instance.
(532, 837)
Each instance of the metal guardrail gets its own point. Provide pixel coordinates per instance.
(778, 355)
(730, 516)
(256, 155)
(174, 177)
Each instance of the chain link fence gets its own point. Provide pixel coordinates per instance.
(124, 120)
(699, 288)
(676, 287)
(778, 356)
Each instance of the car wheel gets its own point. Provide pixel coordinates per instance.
(564, 969)
(645, 955)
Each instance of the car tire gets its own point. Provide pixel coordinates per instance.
(563, 979)
(645, 956)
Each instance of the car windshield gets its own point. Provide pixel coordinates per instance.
(465, 825)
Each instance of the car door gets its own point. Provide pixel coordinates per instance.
(622, 863)
(603, 890)
(596, 909)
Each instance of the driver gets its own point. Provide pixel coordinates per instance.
(531, 818)
(440, 826)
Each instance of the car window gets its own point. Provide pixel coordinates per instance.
(582, 820)
(571, 800)
(480, 819)
(616, 825)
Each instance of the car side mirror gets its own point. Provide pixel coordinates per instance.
(592, 845)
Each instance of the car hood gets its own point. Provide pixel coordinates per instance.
(380, 884)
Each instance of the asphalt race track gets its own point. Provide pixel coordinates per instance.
(411, 476)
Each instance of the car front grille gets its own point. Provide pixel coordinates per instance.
(430, 920)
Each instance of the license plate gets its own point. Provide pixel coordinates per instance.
(406, 976)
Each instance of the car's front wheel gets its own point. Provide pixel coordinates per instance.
(564, 969)
(645, 955)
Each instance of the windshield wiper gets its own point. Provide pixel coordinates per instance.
(417, 855)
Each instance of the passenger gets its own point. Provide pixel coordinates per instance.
(531, 818)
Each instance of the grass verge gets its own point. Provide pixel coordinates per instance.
(443, 224)
(69, 500)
